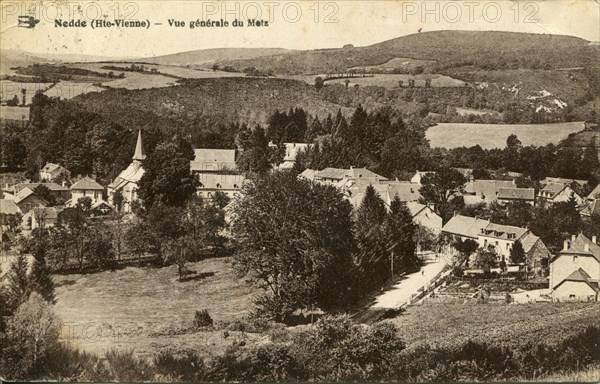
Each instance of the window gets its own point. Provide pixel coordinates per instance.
(507, 246)
(574, 259)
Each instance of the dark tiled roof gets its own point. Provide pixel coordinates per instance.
(516, 193)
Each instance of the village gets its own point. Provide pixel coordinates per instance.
(419, 203)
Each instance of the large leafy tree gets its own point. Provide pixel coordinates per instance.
(440, 187)
(295, 241)
(167, 179)
(517, 253)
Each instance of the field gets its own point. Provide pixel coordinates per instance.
(8, 89)
(478, 112)
(488, 136)
(14, 113)
(442, 325)
(148, 309)
(398, 62)
(70, 89)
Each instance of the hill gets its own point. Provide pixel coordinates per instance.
(10, 58)
(243, 99)
(205, 57)
(447, 49)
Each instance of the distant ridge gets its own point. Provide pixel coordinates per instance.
(208, 56)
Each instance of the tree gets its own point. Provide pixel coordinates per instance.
(17, 288)
(401, 231)
(257, 154)
(439, 187)
(465, 248)
(32, 335)
(13, 152)
(517, 253)
(41, 279)
(372, 255)
(295, 242)
(118, 200)
(319, 83)
(485, 259)
(45, 193)
(167, 179)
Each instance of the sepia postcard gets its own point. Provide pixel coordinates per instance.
(300, 191)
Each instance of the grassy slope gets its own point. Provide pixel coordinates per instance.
(515, 324)
(147, 309)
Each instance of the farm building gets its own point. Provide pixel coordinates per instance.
(127, 181)
(575, 271)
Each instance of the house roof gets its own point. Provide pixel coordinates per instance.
(593, 208)
(207, 159)
(516, 193)
(578, 247)
(554, 188)
(24, 194)
(595, 194)
(579, 276)
(340, 173)
(405, 191)
(499, 231)
(528, 241)
(87, 183)
(465, 226)
(560, 180)
(8, 207)
(487, 188)
(51, 167)
(51, 186)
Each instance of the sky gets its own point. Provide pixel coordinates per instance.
(300, 24)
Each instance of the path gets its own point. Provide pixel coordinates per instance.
(409, 285)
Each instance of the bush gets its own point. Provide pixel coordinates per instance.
(189, 367)
(202, 319)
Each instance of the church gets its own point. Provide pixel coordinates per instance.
(127, 181)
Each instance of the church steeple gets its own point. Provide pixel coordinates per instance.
(139, 148)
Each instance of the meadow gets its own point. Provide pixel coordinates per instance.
(14, 113)
(488, 136)
(8, 89)
(148, 309)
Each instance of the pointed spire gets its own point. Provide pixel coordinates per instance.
(139, 148)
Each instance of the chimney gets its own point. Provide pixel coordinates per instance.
(594, 239)
(586, 247)
(566, 245)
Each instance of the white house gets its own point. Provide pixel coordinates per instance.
(127, 181)
(575, 271)
(558, 192)
(86, 187)
(52, 172)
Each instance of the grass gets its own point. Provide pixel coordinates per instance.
(70, 89)
(14, 113)
(446, 325)
(488, 136)
(148, 310)
(588, 375)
